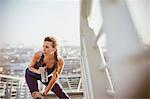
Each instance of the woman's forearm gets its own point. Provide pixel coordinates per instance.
(51, 83)
(33, 70)
(50, 86)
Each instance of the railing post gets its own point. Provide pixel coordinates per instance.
(26, 93)
(68, 83)
(18, 92)
(79, 85)
(7, 92)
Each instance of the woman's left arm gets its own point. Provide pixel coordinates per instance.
(60, 66)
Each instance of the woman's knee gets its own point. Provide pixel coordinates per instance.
(26, 73)
(29, 74)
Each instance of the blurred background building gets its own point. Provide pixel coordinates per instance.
(14, 61)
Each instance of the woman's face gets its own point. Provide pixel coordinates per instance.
(47, 47)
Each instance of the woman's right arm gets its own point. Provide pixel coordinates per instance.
(35, 58)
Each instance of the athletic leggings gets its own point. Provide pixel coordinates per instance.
(31, 79)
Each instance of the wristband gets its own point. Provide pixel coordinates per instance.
(43, 94)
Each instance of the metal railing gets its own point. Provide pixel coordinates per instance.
(13, 88)
(16, 87)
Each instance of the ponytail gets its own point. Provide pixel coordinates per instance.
(56, 58)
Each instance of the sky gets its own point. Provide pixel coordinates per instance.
(29, 21)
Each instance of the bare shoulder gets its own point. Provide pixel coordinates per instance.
(61, 61)
(35, 58)
(37, 55)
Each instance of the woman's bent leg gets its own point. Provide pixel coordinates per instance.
(59, 92)
(31, 79)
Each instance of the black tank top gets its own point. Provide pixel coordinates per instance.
(41, 64)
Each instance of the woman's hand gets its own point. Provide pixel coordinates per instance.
(41, 70)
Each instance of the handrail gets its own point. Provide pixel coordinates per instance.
(10, 77)
(16, 86)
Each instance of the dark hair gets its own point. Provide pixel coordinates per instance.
(54, 45)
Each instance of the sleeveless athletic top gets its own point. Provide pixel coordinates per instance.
(41, 64)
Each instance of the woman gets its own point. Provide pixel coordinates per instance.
(50, 61)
